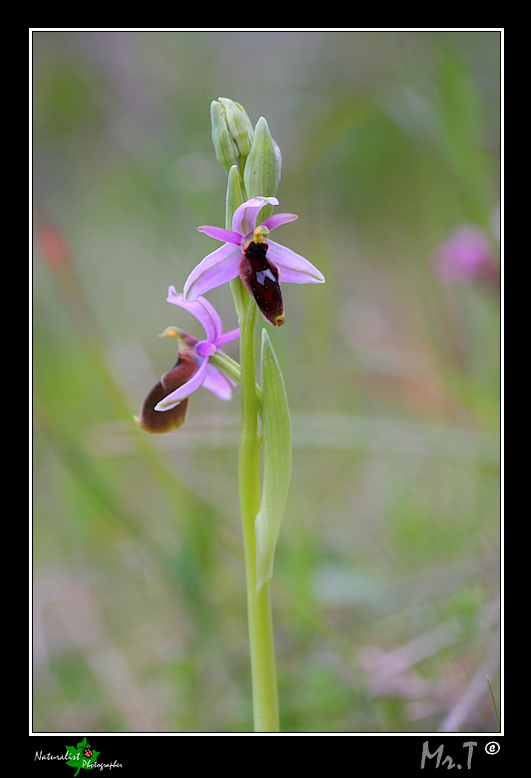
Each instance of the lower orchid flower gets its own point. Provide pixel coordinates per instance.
(261, 263)
(164, 409)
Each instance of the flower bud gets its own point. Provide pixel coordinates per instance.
(224, 146)
(239, 125)
(262, 169)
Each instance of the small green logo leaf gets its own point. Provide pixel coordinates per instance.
(82, 756)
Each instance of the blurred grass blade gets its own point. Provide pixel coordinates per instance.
(494, 704)
(276, 432)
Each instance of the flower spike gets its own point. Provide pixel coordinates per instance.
(249, 253)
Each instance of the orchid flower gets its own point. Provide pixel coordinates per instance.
(191, 370)
(249, 253)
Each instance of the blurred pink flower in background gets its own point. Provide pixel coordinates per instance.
(467, 255)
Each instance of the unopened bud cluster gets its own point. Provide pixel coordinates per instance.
(254, 151)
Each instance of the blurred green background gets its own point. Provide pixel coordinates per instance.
(386, 588)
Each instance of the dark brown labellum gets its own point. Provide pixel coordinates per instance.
(260, 276)
(160, 422)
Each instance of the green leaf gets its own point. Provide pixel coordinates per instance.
(276, 434)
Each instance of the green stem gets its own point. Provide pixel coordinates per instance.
(262, 650)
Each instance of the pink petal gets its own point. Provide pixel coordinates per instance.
(221, 385)
(228, 336)
(211, 316)
(185, 390)
(244, 218)
(205, 349)
(294, 269)
(203, 311)
(279, 218)
(217, 268)
(220, 234)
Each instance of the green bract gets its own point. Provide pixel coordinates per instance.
(233, 199)
(276, 434)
